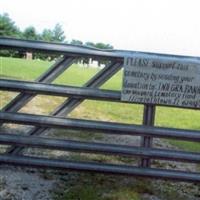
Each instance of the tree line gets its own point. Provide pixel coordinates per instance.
(8, 28)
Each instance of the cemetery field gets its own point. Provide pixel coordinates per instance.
(77, 75)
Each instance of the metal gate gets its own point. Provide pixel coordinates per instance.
(76, 95)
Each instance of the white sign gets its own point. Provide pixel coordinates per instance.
(163, 80)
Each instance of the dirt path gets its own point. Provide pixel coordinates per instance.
(20, 184)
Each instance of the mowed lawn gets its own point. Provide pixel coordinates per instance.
(119, 112)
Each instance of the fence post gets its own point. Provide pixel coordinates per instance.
(146, 141)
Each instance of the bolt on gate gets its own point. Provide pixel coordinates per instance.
(75, 96)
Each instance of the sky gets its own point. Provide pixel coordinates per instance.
(163, 26)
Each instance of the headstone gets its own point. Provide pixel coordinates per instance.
(29, 56)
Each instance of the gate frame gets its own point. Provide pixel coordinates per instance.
(76, 95)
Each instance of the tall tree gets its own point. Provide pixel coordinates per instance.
(8, 27)
(58, 33)
(30, 33)
(101, 45)
(90, 44)
(76, 42)
(47, 35)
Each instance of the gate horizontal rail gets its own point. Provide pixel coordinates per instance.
(59, 90)
(74, 50)
(102, 148)
(58, 48)
(35, 88)
(98, 167)
(100, 126)
(75, 96)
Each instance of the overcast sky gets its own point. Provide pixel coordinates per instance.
(165, 26)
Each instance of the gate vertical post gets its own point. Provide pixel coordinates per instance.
(146, 141)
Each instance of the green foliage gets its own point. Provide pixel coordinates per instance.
(90, 44)
(47, 35)
(99, 45)
(30, 33)
(58, 33)
(55, 35)
(76, 42)
(8, 27)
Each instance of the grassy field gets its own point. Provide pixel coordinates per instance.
(96, 185)
(119, 112)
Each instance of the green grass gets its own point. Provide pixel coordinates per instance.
(180, 118)
(30, 70)
(75, 75)
(22, 69)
